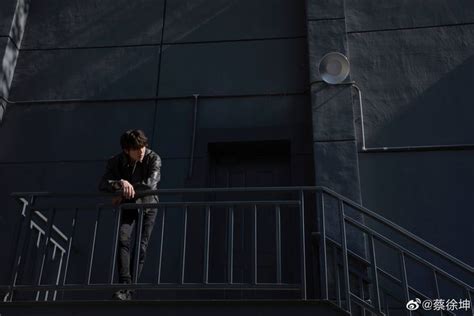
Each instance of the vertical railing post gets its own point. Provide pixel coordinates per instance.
(254, 246)
(44, 249)
(435, 276)
(403, 272)
(207, 230)
(278, 242)
(69, 247)
(385, 303)
(375, 278)
(469, 298)
(303, 245)
(183, 245)
(92, 247)
(230, 246)
(337, 277)
(138, 229)
(344, 255)
(323, 273)
(160, 257)
(118, 218)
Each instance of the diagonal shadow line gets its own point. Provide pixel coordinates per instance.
(330, 98)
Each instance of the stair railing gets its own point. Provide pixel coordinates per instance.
(376, 301)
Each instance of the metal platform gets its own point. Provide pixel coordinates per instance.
(176, 308)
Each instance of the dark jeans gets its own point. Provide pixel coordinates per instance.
(127, 224)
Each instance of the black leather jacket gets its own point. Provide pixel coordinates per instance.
(143, 175)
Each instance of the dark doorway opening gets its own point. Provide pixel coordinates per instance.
(252, 164)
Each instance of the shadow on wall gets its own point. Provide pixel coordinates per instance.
(442, 115)
(101, 71)
(10, 54)
(429, 193)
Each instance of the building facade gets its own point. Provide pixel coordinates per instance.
(230, 94)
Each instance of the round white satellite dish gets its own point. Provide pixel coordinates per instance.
(334, 68)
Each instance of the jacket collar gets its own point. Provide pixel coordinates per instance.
(126, 160)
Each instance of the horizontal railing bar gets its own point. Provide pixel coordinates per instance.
(210, 203)
(410, 288)
(271, 189)
(406, 251)
(171, 191)
(350, 252)
(380, 270)
(360, 208)
(364, 278)
(177, 204)
(398, 228)
(151, 286)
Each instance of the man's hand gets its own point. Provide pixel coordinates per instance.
(128, 191)
(116, 200)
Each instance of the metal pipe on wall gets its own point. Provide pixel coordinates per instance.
(393, 148)
(193, 141)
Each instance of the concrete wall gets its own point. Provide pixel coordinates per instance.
(252, 78)
(13, 17)
(412, 62)
(415, 66)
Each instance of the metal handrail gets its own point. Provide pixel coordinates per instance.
(359, 207)
(400, 229)
(229, 204)
(406, 251)
(301, 189)
(372, 235)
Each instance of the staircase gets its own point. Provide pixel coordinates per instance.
(290, 250)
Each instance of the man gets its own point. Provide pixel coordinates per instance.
(135, 169)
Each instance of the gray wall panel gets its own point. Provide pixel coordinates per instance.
(255, 112)
(234, 68)
(174, 127)
(191, 20)
(335, 167)
(363, 15)
(428, 193)
(325, 9)
(332, 113)
(86, 73)
(324, 37)
(302, 172)
(174, 121)
(415, 92)
(7, 10)
(174, 174)
(70, 131)
(79, 23)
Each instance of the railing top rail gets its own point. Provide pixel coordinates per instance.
(349, 202)
(172, 191)
(405, 251)
(400, 229)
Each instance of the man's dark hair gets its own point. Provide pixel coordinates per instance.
(133, 139)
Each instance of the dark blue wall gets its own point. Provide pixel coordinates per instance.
(252, 78)
(415, 64)
(251, 62)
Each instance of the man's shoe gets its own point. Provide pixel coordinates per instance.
(122, 295)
